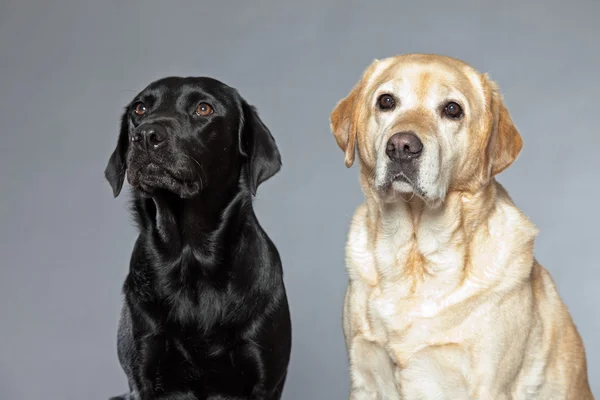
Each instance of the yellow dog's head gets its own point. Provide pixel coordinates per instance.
(425, 125)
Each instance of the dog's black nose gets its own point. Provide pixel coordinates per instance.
(404, 146)
(149, 136)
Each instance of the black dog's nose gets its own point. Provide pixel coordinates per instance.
(149, 136)
(404, 146)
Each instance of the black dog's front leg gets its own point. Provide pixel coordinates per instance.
(150, 350)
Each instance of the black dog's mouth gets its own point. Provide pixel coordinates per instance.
(152, 177)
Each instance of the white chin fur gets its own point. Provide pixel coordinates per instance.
(402, 187)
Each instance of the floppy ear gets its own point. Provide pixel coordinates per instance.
(116, 168)
(505, 142)
(343, 124)
(258, 146)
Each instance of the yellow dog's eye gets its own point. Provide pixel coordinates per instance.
(204, 109)
(453, 110)
(386, 102)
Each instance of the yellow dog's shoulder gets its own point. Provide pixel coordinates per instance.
(561, 343)
(360, 259)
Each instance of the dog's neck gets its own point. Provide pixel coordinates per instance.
(476, 235)
(196, 225)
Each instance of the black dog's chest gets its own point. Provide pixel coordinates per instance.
(193, 348)
(197, 343)
(175, 291)
(203, 364)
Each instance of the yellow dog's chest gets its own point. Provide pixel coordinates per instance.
(404, 326)
(403, 307)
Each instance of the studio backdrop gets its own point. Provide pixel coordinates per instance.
(68, 67)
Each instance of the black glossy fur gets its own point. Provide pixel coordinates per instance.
(205, 312)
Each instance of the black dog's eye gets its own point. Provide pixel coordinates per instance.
(140, 109)
(386, 102)
(453, 110)
(204, 109)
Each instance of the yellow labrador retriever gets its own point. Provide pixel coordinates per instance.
(446, 299)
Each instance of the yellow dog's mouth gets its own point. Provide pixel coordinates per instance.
(399, 182)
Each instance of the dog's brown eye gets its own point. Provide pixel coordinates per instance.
(453, 110)
(140, 109)
(386, 102)
(204, 109)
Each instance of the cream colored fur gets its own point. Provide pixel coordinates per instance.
(446, 299)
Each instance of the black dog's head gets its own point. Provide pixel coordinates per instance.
(184, 135)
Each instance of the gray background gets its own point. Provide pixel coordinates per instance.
(68, 67)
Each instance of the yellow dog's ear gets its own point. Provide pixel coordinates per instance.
(343, 124)
(505, 141)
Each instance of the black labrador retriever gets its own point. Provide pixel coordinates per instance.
(205, 312)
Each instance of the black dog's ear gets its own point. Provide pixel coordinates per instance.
(116, 168)
(258, 146)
